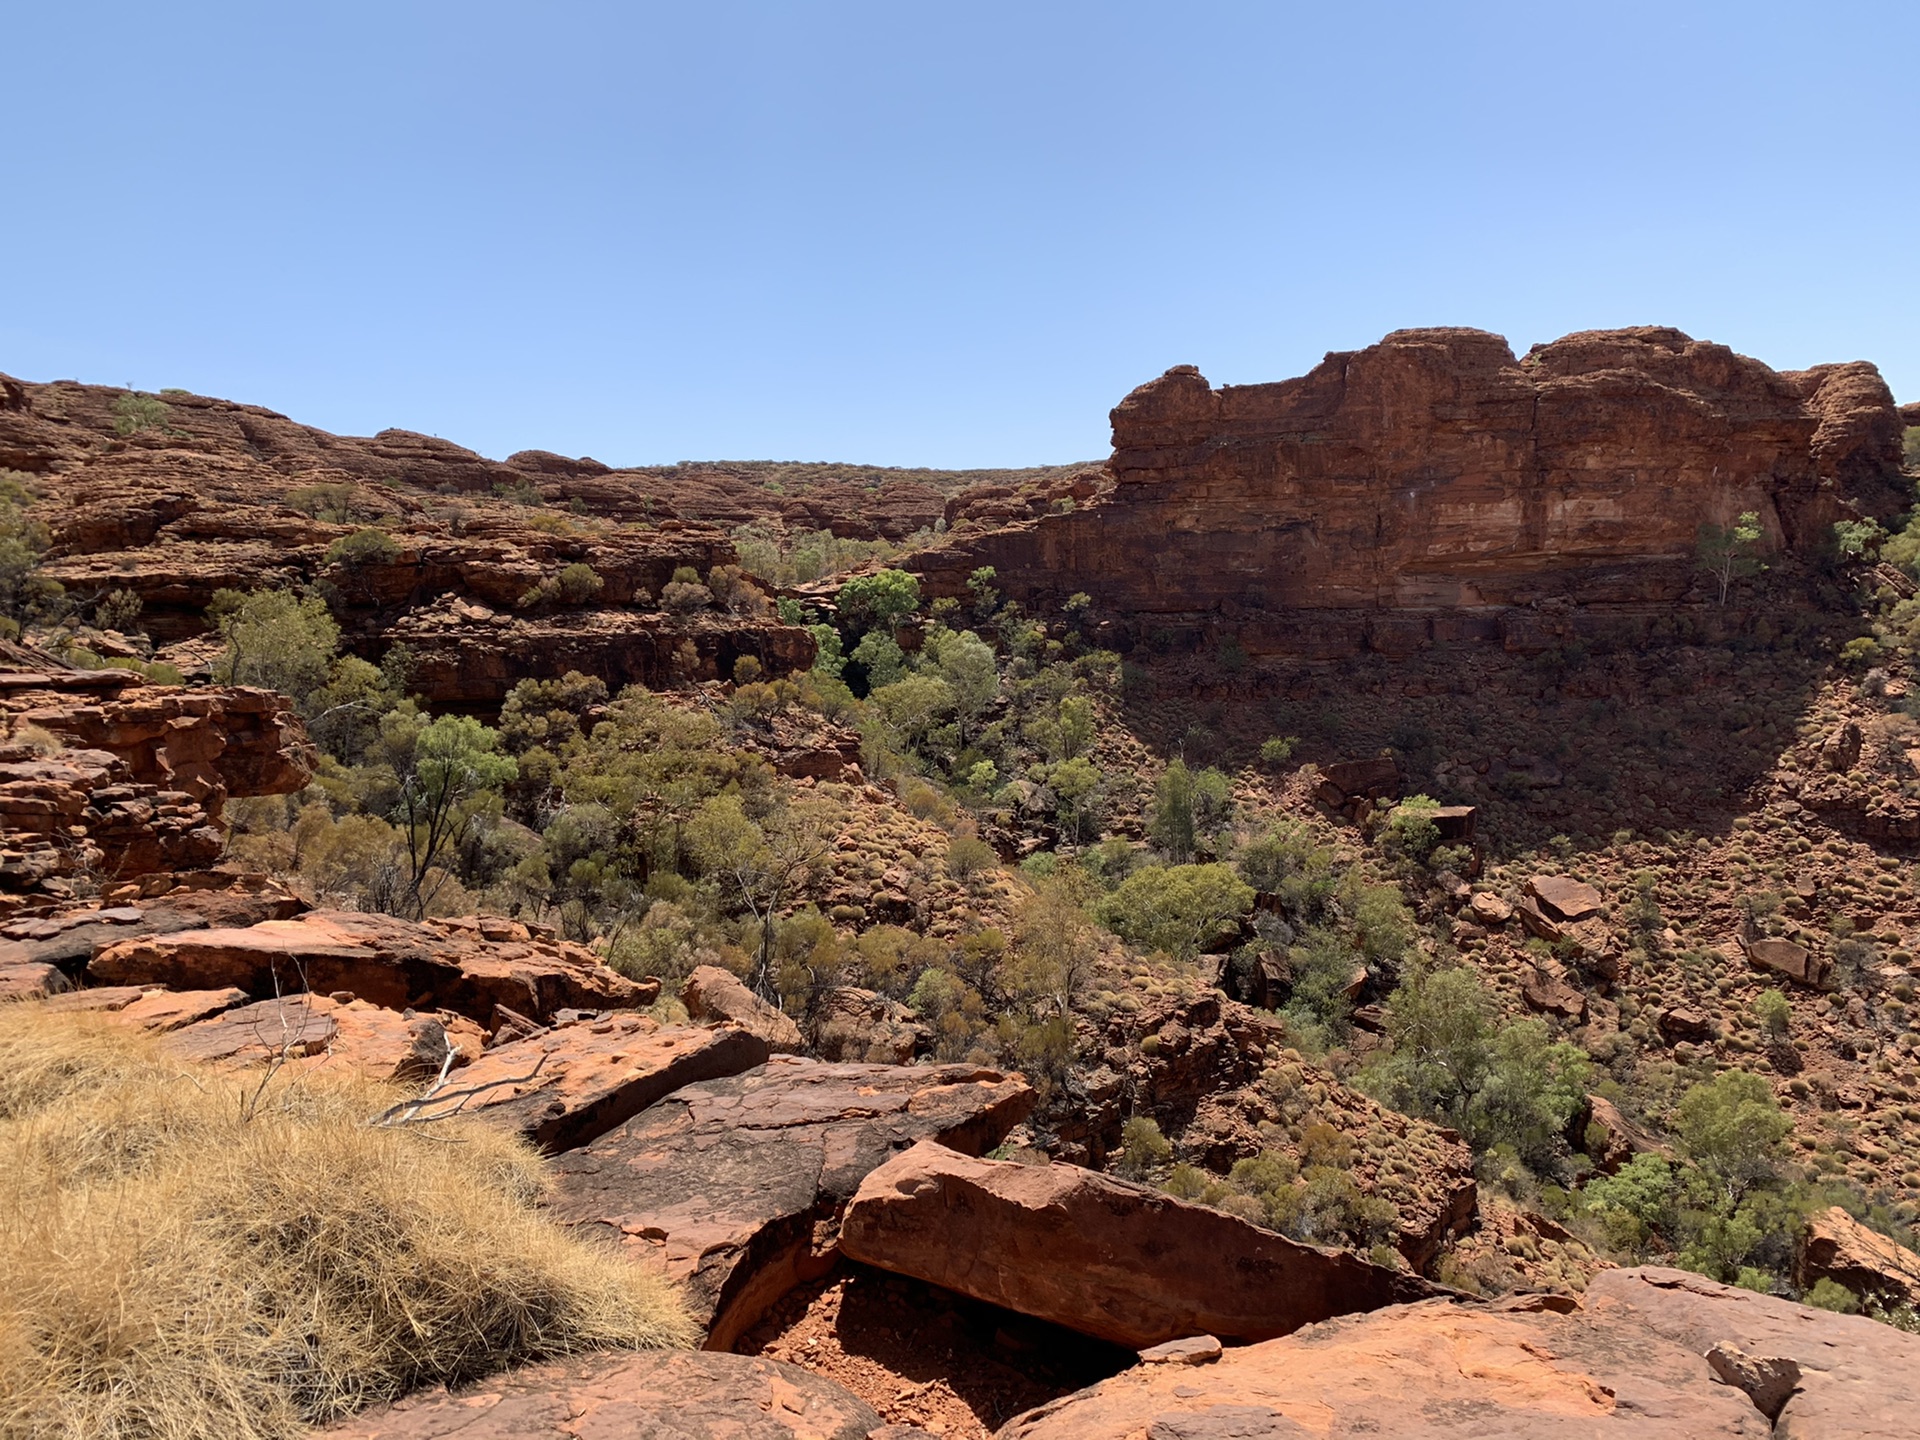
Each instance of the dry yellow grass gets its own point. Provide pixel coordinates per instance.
(173, 1266)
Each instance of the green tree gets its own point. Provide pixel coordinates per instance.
(276, 640)
(879, 659)
(1411, 834)
(1171, 826)
(25, 594)
(134, 413)
(456, 761)
(1176, 908)
(1733, 1128)
(878, 601)
(363, 547)
(1731, 552)
(1857, 539)
(1076, 787)
(966, 663)
(760, 862)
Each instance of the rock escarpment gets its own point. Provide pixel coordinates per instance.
(1434, 489)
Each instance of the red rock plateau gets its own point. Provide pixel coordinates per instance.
(1434, 490)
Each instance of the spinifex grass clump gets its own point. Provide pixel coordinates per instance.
(187, 1255)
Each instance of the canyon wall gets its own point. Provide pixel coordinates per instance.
(1425, 488)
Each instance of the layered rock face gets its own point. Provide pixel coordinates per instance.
(1424, 489)
(100, 773)
(226, 496)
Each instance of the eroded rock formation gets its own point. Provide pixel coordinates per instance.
(1434, 489)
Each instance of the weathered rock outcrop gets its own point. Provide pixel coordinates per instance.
(715, 994)
(1838, 1247)
(1115, 1260)
(225, 495)
(1654, 1355)
(691, 1395)
(471, 967)
(105, 775)
(738, 1184)
(1432, 489)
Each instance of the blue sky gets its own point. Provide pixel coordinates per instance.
(923, 233)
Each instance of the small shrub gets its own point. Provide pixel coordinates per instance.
(134, 414)
(969, 856)
(1278, 750)
(363, 547)
(117, 610)
(1143, 1149)
(579, 583)
(1828, 1294)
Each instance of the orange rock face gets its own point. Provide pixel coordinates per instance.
(141, 775)
(1428, 488)
(213, 500)
(1838, 1247)
(441, 964)
(692, 1394)
(1114, 1260)
(1655, 1355)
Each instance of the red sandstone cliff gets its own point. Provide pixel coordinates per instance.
(1413, 491)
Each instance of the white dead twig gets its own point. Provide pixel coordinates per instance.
(414, 1112)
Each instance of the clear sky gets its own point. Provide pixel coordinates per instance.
(908, 232)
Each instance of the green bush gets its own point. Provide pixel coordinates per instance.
(1176, 908)
(134, 413)
(363, 547)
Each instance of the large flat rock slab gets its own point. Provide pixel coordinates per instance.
(1434, 1371)
(153, 1010)
(571, 1084)
(470, 967)
(307, 1031)
(650, 1395)
(1851, 1378)
(738, 1184)
(1115, 1260)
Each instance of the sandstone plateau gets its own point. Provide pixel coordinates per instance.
(1434, 490)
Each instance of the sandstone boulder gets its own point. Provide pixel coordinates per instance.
(571, 1084)
(1490, 909)
(469, 968)
(1838, 1247)
(1114, 1260)
(1796, 962)
(666, 1395)
(718, 995)
(1652, 1355)
(1565, 899)
(1549, 990)
(1421, 1372)
(737, 1184)
(1684, 1022)
(1609, 1139)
